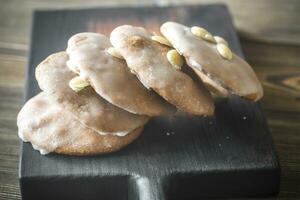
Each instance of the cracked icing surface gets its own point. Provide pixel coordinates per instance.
(86, 106)
(50, 128)
(148, 60)
(110, 76)
(223, 75)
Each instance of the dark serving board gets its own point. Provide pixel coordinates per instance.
(183, 157)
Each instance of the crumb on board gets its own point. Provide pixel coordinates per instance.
(170, 133)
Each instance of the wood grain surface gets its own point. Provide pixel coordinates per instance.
(271, 47)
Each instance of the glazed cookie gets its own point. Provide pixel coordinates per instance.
(50, 128)
(92, 56)
(87, 106)
(211, 58)
(158, 68)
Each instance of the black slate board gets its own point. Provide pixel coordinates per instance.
(183, 157)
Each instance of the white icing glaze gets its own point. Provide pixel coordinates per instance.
(117, 133)
(120, 134)
(41, 150)
(21, 136)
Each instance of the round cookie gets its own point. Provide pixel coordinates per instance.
(50, 128)
(110, 77)
(223, 76)
(148, 60)
(87, 106)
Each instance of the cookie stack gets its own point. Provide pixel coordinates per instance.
(98, 94)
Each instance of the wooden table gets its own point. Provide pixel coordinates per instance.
(270, 37)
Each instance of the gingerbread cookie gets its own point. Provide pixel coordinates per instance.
(158, 68)
(92, 56)
(211, 58)
(87, 106)
(50, 128)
